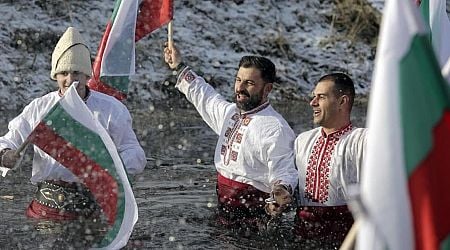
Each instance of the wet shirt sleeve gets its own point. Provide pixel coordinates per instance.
(280, 157)
(21, 126)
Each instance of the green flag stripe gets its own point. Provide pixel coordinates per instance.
(425, 11)
(420, 82)
(120, 83)
(115, 11)
(445, 245)
(80, 137)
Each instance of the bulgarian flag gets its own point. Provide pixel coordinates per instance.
(75, 138)
(406, 175)
(115, 61)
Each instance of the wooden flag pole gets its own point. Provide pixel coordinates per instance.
(20, 154)
(350, 239)
(170, 34)
(22, 147)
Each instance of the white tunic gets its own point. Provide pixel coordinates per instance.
(111, 113)
(255, 147)
(327, 165)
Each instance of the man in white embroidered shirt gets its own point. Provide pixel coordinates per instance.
(254, 154)
(70, 62)
(328, 159)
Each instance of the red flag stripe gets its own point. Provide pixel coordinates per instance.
(152, 15)
(101, 49)
(427, 186)
(88, 171)
(99, 86)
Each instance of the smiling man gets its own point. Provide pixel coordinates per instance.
(71, 63)
(254, 154)
(328, 159)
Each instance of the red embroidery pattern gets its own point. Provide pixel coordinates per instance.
(239, 138)
(232, 136)
(318, 168)
(228, 132)
(189, 77)
(234, 155)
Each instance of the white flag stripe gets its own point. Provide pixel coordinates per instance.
(440, 30)
(119, 54)
(384, 186)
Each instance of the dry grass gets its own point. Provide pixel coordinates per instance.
(355, 20)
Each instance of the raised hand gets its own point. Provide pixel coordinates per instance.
(171, 55)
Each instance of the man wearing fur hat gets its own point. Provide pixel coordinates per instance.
(70, 62)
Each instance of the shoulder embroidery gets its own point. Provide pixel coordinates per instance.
(189, 76)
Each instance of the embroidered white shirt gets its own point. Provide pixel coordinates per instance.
(327, 165)
(255, 147)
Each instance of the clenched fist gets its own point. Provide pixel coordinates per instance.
(9, 158)
(282, 198)
(172, 56)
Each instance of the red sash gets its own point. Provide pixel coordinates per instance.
(39, 211)
(239, 204)
(330, 223)
(239, 195)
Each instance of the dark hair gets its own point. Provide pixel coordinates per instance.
(265, 66)
(343, 85)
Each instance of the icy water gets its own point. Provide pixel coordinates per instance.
(175, 194)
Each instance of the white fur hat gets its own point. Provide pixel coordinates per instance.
(71, 54)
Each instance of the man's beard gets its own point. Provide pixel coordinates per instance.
(251, 103)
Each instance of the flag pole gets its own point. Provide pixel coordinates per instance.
(350, 239)
(22, 147)
(170, 34)
(20, 154)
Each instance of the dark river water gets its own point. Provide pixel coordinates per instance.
(175, 193)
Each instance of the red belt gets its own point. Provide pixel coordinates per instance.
(239, 203)
(237, 194)
(318, 213)
(38, 211)
(329, 223)
(231, 183)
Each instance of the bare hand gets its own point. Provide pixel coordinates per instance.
(10, 158)
(171, 56)
(282, 199)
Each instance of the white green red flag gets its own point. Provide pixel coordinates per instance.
(406, 175)
(75, 138)
(115, 61)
